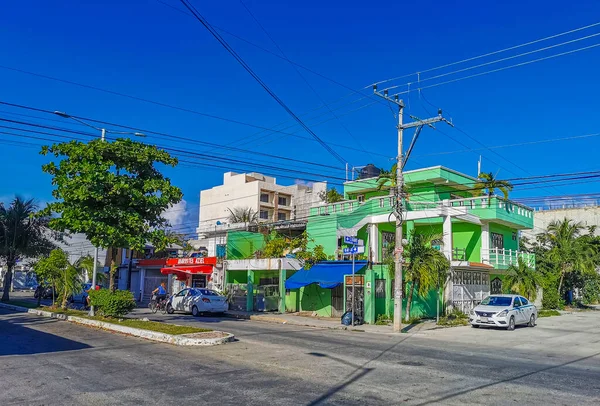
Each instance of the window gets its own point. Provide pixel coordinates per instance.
(264, 197)
(264, 215)
(380, 288)
(381, 202)
(497, 240)
(281, 216)
(524, 301)
(514, 236)
(517, 302)
(282, 201)
(360, 198)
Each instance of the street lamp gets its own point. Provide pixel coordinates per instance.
(103, 132)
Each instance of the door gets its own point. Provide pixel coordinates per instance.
(337, 301)
(359, 301)
(496, 286)
(527, 308)
(199, 281)
(519, 311)
(177, 301)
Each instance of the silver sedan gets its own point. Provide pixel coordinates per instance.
(505, 311)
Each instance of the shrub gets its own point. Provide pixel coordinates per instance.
(551, 299)
(112, 304)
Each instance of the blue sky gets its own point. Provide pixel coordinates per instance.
(149, 50)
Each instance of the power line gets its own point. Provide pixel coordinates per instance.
(487, 54)
(520, 144)
(500, 69)
(300, 74)
(496, 61)
(248, 69)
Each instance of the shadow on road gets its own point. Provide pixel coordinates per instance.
(18, 338)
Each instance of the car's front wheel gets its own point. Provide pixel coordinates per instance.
(170, 309)
(474, 325)
(511, 323)
(531, 321)
(195, 311)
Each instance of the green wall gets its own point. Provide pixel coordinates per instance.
(467, 236)
(507, 232)
(243, 244)
(314, 298)
(237, 276)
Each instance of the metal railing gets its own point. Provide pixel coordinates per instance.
(500, 257)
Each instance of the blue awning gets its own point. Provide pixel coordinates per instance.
(327, 274)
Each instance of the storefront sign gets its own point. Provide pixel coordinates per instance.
(192, 261)
(358, 280)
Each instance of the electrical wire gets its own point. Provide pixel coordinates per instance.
(487, 54)
(248, 69)
(496, 61)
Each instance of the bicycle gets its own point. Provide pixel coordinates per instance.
(155, 306)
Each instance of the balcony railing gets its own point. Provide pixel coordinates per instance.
(501, 258)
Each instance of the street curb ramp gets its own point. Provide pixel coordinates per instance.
(180, 339)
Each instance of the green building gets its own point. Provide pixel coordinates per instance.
(480, 238)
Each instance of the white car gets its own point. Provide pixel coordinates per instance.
(505, 311)
(196, 301)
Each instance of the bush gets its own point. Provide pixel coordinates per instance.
(551, 299)
(112, 304)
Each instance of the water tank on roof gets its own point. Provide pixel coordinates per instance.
(369, 171)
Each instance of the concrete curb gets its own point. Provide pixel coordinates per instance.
(181, 339)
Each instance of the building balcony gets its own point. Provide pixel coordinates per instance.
(495, 209)
(501, 258)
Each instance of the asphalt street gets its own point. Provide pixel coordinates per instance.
(50, 362)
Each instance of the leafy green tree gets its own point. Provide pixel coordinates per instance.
(523, 280)
(111, 191)
(331, 196)
(567, 250)
(243, 215)
(22, 235)
(425, 266)
(488, 183)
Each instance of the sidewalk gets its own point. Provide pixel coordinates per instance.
(323, 322)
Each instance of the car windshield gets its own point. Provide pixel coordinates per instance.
(497, 301)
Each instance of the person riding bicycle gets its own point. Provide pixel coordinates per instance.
(160, 292)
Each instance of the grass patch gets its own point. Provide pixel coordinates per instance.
(454, 319)
(134, 323)
(548, 313)
(151, 325)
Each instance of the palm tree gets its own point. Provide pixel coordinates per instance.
(523, 280)
(488, 182)
(243, 215)
(426, 266)
(567, 250)
(387, 179)
(22, 235)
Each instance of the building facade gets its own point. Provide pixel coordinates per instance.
(480, 238)
(270, 201)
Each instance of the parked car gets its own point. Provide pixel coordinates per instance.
(81, 297)
(47, 292)
(504, 311)
(196, 301)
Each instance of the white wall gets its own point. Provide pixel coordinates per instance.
(588, 216)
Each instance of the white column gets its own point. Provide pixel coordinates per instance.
(485, 243)
(448, 237)
(374, 241)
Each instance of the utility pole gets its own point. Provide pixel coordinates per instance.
(399, 196)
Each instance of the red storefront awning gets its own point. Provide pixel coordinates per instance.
(181, 272)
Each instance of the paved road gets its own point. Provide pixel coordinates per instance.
(50, 362)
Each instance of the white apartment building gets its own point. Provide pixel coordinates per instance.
(272, 203)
